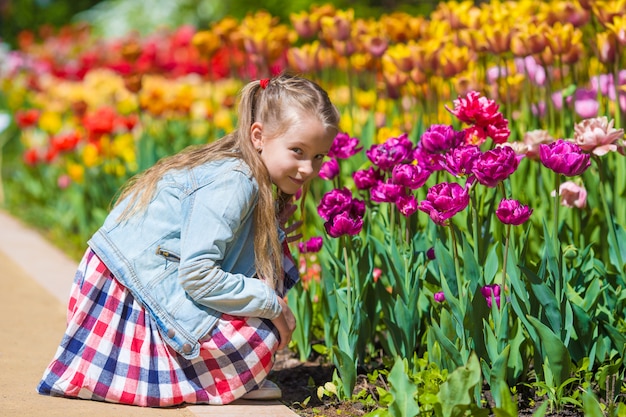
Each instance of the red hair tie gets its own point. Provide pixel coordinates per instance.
(264, 83)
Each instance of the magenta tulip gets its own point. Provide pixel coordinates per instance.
(513, 212)
(564, 158)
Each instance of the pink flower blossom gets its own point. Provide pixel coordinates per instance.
(406, 204)
(491, 292)
(564, 158)
(443, 201)
(344, 146)
(439, 297)
(598, 136)
(366, 178)
(495, 165)
(513, 212)
(329, 170)
(312, 245)
(572, 195)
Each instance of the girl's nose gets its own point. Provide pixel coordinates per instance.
(306, 168)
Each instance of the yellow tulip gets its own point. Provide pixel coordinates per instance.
(50, 122)
(76, 172)
(90, 155)
(618, 28)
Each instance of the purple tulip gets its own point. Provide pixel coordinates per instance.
(461, 161)
(439, 297)
(440, 139)
(410, 175)
(334, 202)
(344, 224)
(407, 205)
(495, 165)
(386, 192)
(513, 212)
(313, 245)
(430, 254)
(491, 292)
(564, 157)
(443, 201)
(366, 178)
(394, 151)
(344, 146)
(329, 170)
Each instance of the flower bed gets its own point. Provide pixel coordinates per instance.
(469, 236)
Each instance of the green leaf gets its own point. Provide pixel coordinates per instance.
(403, 390)
(554, 350)
(497, 378)
(541, 411)
(591, 406)
(455, 391)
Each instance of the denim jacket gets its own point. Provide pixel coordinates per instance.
(190, 255)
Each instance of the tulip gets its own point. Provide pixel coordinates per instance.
(495, 165)
(343, 146)
(462, 160)
(329, 169)
(597, 135)
(572, 195)
(343, 224)
(443, 201)
(386, 192)
(440, 139)
(406, 204)
(410, 175)
(366, 178)
(564, 157)
(312, 245)
(439, 297)
(513, 212)
(491, 292)
(395, 150)
(430, 254)
(334, 202)
(534, 138)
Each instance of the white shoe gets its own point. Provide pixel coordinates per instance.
(266, 391)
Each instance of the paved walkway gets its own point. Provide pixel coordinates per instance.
(35, 280)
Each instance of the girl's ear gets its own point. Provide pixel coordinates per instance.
(256, 135)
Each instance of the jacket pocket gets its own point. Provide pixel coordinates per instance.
(168, 255)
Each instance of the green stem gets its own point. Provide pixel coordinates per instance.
(555, 237)
(457, 268)
(474, 212)
(348, 283)
(506, 256)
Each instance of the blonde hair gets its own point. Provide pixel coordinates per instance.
(273, 107)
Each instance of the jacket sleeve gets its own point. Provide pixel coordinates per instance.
(216, 213)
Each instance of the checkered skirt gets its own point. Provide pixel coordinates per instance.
(112, 351)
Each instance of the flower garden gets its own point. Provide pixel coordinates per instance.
(467, 236)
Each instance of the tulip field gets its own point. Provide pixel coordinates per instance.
(466, 239)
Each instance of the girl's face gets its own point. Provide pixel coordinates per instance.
(295, 156)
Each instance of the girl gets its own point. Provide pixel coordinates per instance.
(179, 297)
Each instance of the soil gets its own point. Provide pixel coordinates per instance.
(299, 382)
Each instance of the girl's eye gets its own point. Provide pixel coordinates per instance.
(297, 150)
(319, 157)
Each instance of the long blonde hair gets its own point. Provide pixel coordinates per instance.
(271, 106)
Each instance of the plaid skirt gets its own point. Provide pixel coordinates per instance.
(112, 351)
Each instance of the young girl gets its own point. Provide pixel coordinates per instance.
(179, 298)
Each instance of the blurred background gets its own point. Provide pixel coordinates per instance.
(111, 18)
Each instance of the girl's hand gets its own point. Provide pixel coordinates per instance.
(285, 324)
(291, 231)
